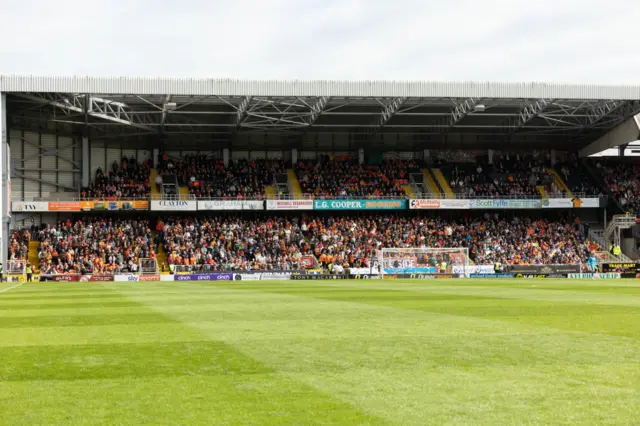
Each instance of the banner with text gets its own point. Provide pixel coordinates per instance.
(29, 206)
(205, 277)
(359, 204)
(289, 204)
(231, 205)
(438, 204)
(505, 204)
(106, 205)
(174, 205)
(568, 203)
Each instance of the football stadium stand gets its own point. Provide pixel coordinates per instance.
(274, 175)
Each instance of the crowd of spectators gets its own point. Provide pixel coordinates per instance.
(345, 177)
(623, 181)
(127, 180)
(234, 243)
(19, 244)
(510, 174)
(210, 178)
(97, 245)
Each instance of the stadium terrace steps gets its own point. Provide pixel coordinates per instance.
(443, 184)
(294, 185)
(155, 192)
(269, 191)
(541, 191)
(408, 190)
(431, 184)
(32, 257)
(560, 183)
(184, 193)
(161, 257)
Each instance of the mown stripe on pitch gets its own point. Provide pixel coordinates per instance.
(83, 320)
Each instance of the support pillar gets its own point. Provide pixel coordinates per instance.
(155, 157)
(294, 156)
(5, 197)
(225, 157)
(490, 153)
(361, 156)
(553, 157)
(85, 162)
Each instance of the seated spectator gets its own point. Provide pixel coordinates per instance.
(623, 181)
(345, 177)
(210, 178)
(510, 175)
(95, 245)
(127, 180)
(19, 245)
(232, 243)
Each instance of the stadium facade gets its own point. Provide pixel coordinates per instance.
(56, 131)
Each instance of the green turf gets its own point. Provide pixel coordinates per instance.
(338, 352)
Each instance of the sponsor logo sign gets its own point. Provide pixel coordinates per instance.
(61, 278)
(289, 204)
(231, 205)
(505, 204)
(439, 204)
(359, 204)
(205, 277)
(247, 277)
(148, 277)
(107, 205)
(474, 269)
(365, 277)
(320, 277)
(98, 278)
(492, 275)
(28, 207)
(64, 206)
(125, 278)
(544, 269)
(166, 277)
(174, 205)
(541, 276)
(602, 276)
(626, 268)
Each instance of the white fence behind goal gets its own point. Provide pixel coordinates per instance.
(17, 267)
(148, 267)
(429, 261)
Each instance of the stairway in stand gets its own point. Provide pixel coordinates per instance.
(294, 185)
(161, 256)
(155, 192)
(33, 255)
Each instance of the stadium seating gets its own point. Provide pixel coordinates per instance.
(344, 177)
(210, 178)
(623, 181)
(510, 174)
(95, 245)
(231, 242)
(127, 180)
(19, 245)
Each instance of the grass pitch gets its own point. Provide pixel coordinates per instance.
(303, 353)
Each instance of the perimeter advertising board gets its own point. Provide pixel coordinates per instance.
(289, 204)
(106, 205)
(439, 204)
(174, 205)
(359, 204)
(505, 204)
(29, 206)
(231, 205)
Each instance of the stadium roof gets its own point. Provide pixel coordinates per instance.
(243, 113)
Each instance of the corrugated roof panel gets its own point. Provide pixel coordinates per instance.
(231, 87)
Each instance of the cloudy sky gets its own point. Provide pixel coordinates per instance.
(580, 41)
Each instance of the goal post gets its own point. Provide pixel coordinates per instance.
(148, 267)
(428, 261)
(16, 269)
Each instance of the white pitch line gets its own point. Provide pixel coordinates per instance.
(9, 288)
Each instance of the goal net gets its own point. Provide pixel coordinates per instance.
(424, 261)
(16, 269)
(148, 267)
